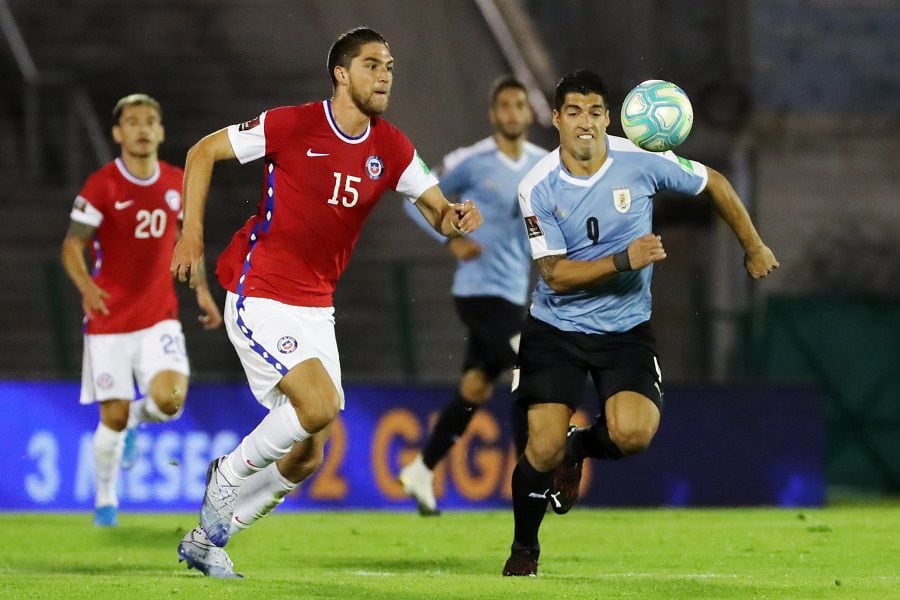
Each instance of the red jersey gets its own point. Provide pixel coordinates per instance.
(137, 226)
(319, 185)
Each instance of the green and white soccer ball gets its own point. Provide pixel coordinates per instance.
(657, 115)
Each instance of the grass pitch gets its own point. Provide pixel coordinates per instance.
(844, 552)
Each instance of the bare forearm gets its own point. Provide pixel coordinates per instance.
(198, 170)
(565, 276)
(731, 209)
(72, 258)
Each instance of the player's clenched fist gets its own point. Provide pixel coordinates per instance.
(645, 250)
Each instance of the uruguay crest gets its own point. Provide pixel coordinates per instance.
(622, 199)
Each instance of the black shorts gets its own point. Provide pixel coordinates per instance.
(553, 364)
(492, 322)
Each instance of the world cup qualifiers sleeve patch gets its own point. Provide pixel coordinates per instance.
(248, 124)
(686, 164)
(532, 227)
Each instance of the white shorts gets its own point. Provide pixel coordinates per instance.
(271, 338)
(113, 362)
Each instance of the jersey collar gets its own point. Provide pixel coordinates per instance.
(120, 164)
(584, 181)
(337, 130)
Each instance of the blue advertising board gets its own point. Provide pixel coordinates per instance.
(715, 447)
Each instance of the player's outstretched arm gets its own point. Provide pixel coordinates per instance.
(76, 241)
(565, 276)
(758, 258)
(198, 168)
(450, 220)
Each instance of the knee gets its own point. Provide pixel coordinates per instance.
(316, 412)
(116, 421)
(545, 453)
(476, 388)
(632, 440)
(172, 402)
(169, 391)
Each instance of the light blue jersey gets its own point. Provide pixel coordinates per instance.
(482, 173)
(586, 218)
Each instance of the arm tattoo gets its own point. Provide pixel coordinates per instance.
(548, 264)
(80, 230)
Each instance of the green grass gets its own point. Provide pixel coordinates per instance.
(845, 552)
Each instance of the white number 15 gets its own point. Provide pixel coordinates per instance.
(352, 195)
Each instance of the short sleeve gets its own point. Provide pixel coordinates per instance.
(248, 139)
(416, 178)
(544, 234)
(677, 174)
(89, 203)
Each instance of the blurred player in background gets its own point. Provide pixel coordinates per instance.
(327, 164)
(491, 282)
(128, 213)
(588, 212)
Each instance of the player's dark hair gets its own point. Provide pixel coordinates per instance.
(580, 82)
(347, 47)
(134, 100)
(505, 82)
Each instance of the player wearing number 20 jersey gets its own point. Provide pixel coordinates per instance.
(136, 223)
(319, 187)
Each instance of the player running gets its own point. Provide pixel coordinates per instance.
(128, 214)
(588, 211)
(491, 282)
(326, 165)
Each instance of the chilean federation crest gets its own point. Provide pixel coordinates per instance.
(374, 167)
(622, 199)
(287, 344)
(173, 199)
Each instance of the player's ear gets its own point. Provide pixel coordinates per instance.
(162, 133)
(117, 134)
(340, 74)
(556, 118)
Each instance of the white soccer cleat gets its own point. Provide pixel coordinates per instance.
(218, 505)
(418, 482)
(201, 554)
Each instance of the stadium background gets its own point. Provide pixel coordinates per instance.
(797, 102)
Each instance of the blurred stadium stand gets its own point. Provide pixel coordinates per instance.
(798, 103)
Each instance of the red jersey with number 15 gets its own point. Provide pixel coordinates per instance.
(319, 186)
(137, 226)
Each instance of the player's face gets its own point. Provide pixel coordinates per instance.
(511, 113)
(582, 123)
(139, 131)
(370, 77)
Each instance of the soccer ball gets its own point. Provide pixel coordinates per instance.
(657, 115)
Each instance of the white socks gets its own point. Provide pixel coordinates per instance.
(108, 446)
(259, 495)
(272, 439)
(146, 410)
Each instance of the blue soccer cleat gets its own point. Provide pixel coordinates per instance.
(106, 516)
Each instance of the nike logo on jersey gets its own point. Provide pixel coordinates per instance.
(310, 152)
(123, 204)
